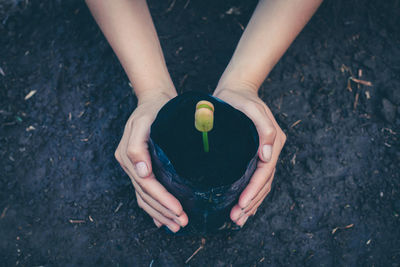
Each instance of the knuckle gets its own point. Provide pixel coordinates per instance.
(270, 132)
(133, 152)
(283, 137)
(179, 210)
(140, 202)
(268, 191)
(117, 156)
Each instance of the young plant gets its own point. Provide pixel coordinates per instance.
(204, 120)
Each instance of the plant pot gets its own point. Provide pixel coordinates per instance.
(207, 184)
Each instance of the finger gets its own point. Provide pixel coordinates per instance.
(260, 176)
(256, 184)
(153, 188)
(262, 194)
(157, 223)
(181, 220)
(237, 212)
(137, 148)
(174, 227)
(254, 209)
(177, 214)
(242, 220)
(265, 128)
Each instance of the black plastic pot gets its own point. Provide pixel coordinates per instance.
(206, 184)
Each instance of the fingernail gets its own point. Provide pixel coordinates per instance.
(157, 223)
(240, 216)
(177, 221)
(141, 169)
(242, 221)
(267, 152)
(246, 203)
(172, 229)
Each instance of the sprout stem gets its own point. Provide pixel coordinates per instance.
(205, 142)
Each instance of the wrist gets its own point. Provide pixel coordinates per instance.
(236, 85)
(153, 93)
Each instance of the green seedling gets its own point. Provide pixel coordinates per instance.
(204, 120)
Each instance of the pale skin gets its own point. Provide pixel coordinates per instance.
(128, 27)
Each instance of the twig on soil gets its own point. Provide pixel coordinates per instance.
(30, 128)
(386, 144)
(280, 102)
(30, 94)
(3, 214)
(295, 123)
(118, 207)
(344, 227)
(366, 83)
(171, 6)
(240, 24)
(186, 5)
(182, 81)
(203, 242)
(344, 68)
(86, 139)
(349, 85)
(77, 221)
(356, 101)
(293, 160)
(389, 130)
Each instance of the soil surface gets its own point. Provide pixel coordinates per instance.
(64, 100)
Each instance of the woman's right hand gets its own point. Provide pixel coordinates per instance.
(133, 155)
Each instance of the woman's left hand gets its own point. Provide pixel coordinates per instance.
(272, 140)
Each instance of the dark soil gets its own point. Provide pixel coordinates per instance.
(64, 200)
(233, 141)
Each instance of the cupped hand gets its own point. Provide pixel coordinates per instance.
(272, 140)
(133, 155)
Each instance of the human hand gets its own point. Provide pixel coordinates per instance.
(133, 155)
(271, 138)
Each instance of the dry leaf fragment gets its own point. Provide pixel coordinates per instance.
(30, 94)
(295, 123)
(344, 227)
(76, 221)
(203, 242)
(366, 83)
(30, 128)
(349, 226)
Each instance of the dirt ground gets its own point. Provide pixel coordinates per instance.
(64, 100)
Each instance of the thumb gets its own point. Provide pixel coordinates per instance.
(266, 134)
(137, 150)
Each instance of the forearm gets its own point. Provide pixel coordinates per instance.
(129, 29)
(270, 31)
